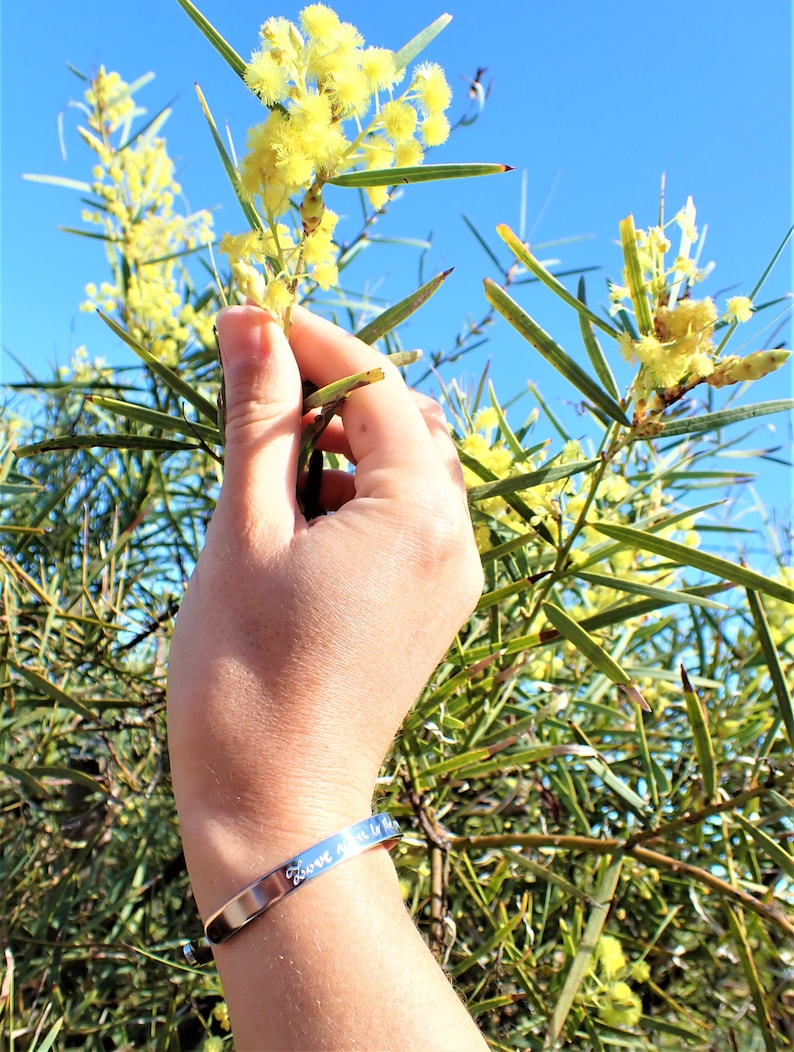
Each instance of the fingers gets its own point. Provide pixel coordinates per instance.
(263, 416)
(385, 429)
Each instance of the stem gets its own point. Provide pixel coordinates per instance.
(612, 846)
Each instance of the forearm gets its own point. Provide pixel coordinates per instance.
(338, 964)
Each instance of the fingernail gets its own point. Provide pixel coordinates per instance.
(241, 333)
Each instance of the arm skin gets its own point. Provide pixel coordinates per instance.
(297, 652)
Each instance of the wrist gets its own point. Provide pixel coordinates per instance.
(227, 849)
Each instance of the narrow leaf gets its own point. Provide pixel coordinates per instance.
(594, 351)
(552, 352)
(669, 595)
(686, 556)
(526, 513)
(772, 848)
(714, 421)
(59, 180)
(393, 317)
(417, 44)
(776, 673)
(175, 382)
(421, 173)
(488, 250)
(601, 769)
(506, 431)
(144, 415)
(224, 49)
(704, 746)
(99, 441)
(639, 297)
(534, 266)
(607, 888)
(516, 483)
(590, 647)
(742, 944)
(55, 694)
(341, 388)
(69, 774)
(250, 213)
(759, 284)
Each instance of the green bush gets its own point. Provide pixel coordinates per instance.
(596, 783)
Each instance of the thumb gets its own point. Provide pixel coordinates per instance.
(263, 419)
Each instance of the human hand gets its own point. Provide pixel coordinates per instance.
(299, 647)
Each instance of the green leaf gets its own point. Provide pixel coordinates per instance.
(59, 180)
(534, 266)
(408, 52)
(506, 431)
(607, 889)
(669, 595)
(341, 388)
(90, 233)
(144, 415)
(704, 746)
(68, 774)
(552, 352)
(714, 421)
(49, 1037)
(420, 173)
(150, 128)
(774, 850)
(594, 351)
(687, 556)
(175, 382)
(224, 49)
(250, 213)
(24, 777)
(392, 317)
(776, 673)
(599, 766)
(100, 441)
(516, 483)
(55, 694)
(639, 296)
(488, 250)
(758, 285)
(527, 514)
(592, 650)
(756, 987)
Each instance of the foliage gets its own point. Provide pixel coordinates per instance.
(596, 782)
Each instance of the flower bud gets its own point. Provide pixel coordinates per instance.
(312, 208)
(753, 366)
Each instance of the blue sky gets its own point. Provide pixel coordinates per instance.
(593, 101)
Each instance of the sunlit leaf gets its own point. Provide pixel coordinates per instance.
(639, 295)
(535, 267)
(590, 648)
(416, 45)
(175, 382)
(552, 352)
(714, 421)
(685, 555)
(250, 213)
(393, 316)
(517, 483)
(773, 663)
(224, 49)
(704, 746)
(421, 173)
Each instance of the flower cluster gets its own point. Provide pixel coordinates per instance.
(553, 503)
(135, 196)
(619, 1005)
(677, 351)
(333, 109)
